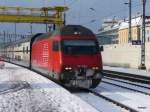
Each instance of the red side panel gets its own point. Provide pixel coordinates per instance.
(40, 54)
(44, 57)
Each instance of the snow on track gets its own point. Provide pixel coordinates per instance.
(99, 103)
(34, 93)
(12, 86)
(127, 81)
(144, 90)
(132, 99)
(128, 70)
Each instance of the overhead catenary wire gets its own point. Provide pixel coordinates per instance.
(112, 14)
(98, 17)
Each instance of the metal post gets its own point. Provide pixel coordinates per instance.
(64, 18)
(130, 28)
(129, 3)
(64, 13)
(54, 26)
(4, 37)
(142, 66)
(15, 32)
(31, 28)
(46, 27)
(7, 37)
(4, 44)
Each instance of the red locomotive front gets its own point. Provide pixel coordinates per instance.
(70, 55)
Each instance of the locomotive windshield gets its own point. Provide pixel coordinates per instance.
(80, 47)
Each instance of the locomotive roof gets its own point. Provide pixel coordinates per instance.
(76, 30)
(69, 30)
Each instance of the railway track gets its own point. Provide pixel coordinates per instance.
(108, 100)
(105, 92)
(117, 103)
(127, 76)
(112, 78)
(128, 88)
(114, 102)
(130, 83)
(8, 87)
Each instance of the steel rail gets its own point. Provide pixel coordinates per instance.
(126, 88)
(127, 76)
(130, 109)
(93, 92)
(125, 82)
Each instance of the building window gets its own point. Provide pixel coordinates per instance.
(147, 31)
(135, 31)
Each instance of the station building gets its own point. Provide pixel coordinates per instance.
(116, 32)
(108, 34)
(123, 36)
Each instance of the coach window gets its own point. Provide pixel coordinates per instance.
(27, 49)
(55, 46)
(23, 49)
(19, 45)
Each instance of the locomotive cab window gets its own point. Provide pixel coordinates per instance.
(56, 46)
(80, 47)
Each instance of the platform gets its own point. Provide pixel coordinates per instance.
(22, 90)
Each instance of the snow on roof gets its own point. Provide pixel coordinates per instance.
(134, 22)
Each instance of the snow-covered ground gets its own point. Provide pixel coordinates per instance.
(132, 99)
(128, 85)
(99, 103)
(22, 90)
(127, 81)
(128, 70)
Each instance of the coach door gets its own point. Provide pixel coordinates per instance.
(56, 57)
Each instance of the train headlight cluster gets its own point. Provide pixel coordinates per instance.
(68, 68)
(95, 68)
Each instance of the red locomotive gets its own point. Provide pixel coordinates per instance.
(70, 55)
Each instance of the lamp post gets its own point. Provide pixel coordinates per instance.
(142, 66)
(15, 32)
(64, 13)
(31, 29)
(130, 18)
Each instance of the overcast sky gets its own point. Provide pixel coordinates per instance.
(89, 13)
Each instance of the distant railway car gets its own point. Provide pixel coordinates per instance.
(2, 64)
(18, 52)
(70, 55)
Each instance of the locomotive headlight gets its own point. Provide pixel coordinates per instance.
(68, 68)
(95, 68)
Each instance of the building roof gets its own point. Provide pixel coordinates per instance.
(134, 22)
